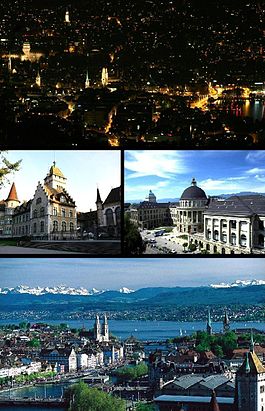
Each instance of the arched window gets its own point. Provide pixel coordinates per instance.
(63, 212)
(71, 227)
(55, 211)
(209, 233)
(109, 217)
(118, 215)
(42, 211)
(233, 239)
(216, 235)
(224, 237)
(243, 240)
(35, 213)
(42, 227)
(63, 226)
(71, 214)
(34, 228)
(38, 201)
(261, 240)
(55, 226)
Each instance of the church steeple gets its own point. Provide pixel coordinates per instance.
(209, 328)
(226, 325)
(87, 83)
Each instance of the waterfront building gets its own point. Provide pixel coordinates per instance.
(64, 359)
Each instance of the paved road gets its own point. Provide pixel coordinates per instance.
(26, 250)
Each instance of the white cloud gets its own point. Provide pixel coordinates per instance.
(256, 156)
(255, 170)
(217, 185)
(165, 164)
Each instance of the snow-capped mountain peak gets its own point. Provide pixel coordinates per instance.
(238, 283)
(125, 290)
(60, 289)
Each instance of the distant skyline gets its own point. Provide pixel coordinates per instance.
(84, 170)
(114, 273)
(167, 173)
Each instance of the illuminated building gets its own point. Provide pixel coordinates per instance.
(105, 77)
(67, 17)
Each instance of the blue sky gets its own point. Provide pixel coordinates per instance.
(84, 170)
(108, 273)
(168, 173)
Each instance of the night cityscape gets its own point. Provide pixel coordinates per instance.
(108, 74)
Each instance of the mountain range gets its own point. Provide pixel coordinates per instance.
(64, 298)
(175, 200)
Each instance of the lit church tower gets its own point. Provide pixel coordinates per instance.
(105, 77)
(38, 80)
(87, 83)
(9, 64)
(67, 17)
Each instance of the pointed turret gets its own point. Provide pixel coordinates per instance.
(214, 404)
(252, 344)
(99, 201)
(12, 196)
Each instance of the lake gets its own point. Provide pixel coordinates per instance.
(148, 330)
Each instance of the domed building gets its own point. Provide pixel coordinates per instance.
(188, 215)
(151, 198)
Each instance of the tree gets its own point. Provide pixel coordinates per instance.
(34, 343)
(84, 398)
(6, 168)
(145, 407)
(133, 241)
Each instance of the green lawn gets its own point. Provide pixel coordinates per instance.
(4, 243)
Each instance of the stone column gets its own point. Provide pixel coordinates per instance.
(238, 233)
(220, 229)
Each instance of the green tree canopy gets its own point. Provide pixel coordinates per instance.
(84, 398)
(6, 168)
(132, 239)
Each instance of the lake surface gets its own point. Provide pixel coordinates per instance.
(253, 109)
(149, 330)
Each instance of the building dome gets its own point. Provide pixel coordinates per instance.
(193, 192)
(151, 198)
